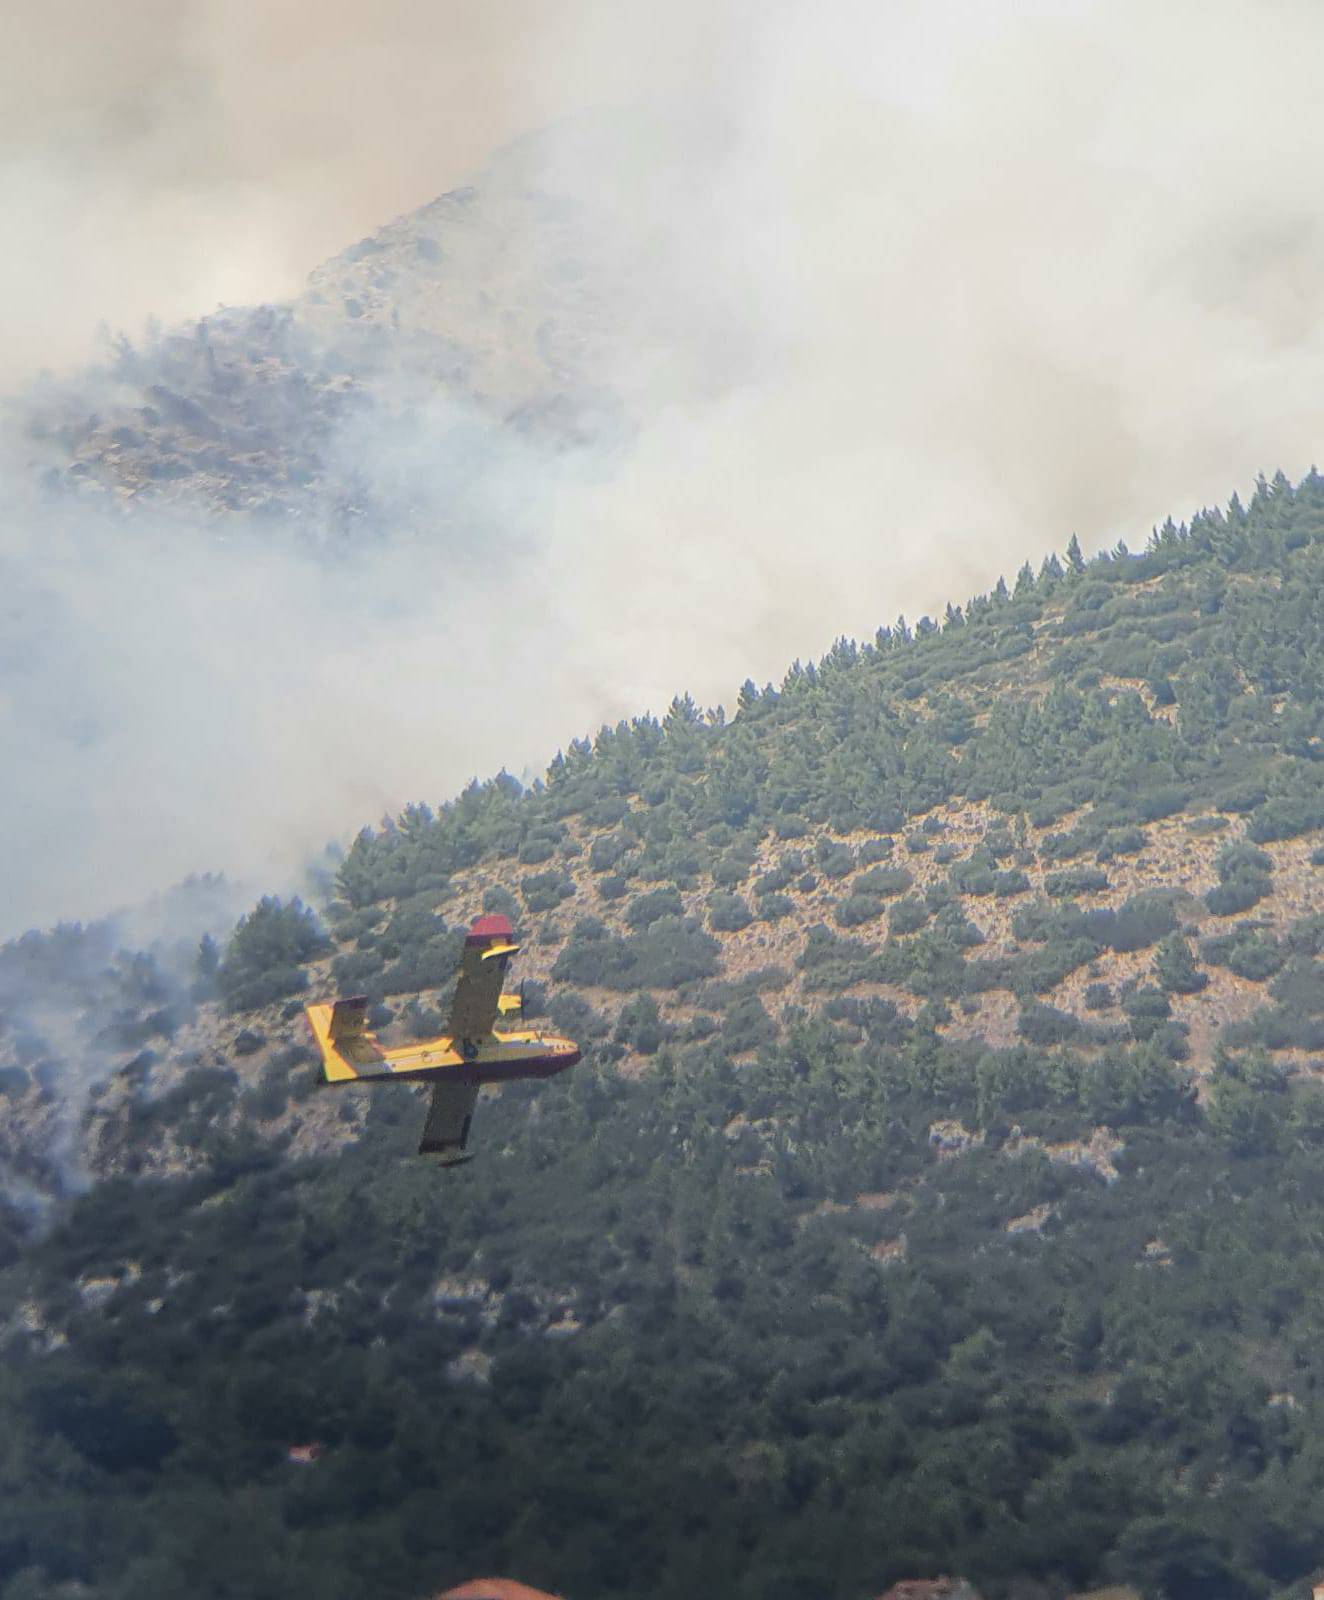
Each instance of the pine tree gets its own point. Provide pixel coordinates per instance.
(1075, 560)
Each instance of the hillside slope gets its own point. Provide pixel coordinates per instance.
(940, 1191)
(354, 408)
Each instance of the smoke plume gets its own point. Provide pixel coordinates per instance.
(888, 298)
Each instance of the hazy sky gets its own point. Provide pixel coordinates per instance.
(911, 291)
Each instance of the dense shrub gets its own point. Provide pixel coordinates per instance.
(606, 852)
(670, 952)
(733, 868)
(265, 956)
(1245, 878)
(1285, 819)
(872, 851)
(647, 908)
(772, 907)
(639, 1026)
(747, 1026)
(1012, 882)
(834, 860)
(544, 891)
(773, 882)
(1121, 842)
(907, 916)
(536, 849)
(858, 908)
(728, 913)
(1247, 951)
(1175, 968)
(1045, 1025)
(1080, 880)
(884, 881)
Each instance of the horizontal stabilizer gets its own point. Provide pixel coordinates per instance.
(500, 950)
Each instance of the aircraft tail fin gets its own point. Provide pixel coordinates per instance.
(342, 1035)
(349, 1020)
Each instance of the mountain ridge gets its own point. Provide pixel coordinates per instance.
(939, 1191)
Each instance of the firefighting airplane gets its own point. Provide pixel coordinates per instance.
(470, 1054)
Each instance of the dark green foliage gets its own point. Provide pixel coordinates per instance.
(884, 881)
(1285, 818)
(670, 952)
(639, 1025)
(1039, 1024)
(1145, 1009)
(1245, 878)
(747, 1026)
(544, 891)
(872, 851)
(1121, 842)
(773, 882)
(1141, 921)
(1080, 880)
(265, 957)
(856, 909)
(537, 848)
(500, 902)
(834, 860)
(1175, 968)
(1006, 884)
(1098, 997)
(831, 962)
(645, 909)
(772, 907)
(733, 868)
(606, 852)
(572, 1016)
(728, 913)
(907, 916)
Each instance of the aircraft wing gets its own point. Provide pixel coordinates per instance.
(450, 1111)
(477, 1002)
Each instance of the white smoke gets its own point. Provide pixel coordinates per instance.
(891, 297)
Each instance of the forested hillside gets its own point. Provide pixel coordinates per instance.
(942, 1189)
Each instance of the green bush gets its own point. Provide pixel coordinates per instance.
(544, 891)
(872, 851)
(858, 908)
(728, 913)
(645, 909)
(772, 907)
(1245, 878)
(907, 916)
(1044, 1025)
(1175, 968)
(884, 881)
(773, 882)
(834, 860)
(1013, 882)
(264, 959)
(1284, 819)
(670, 952)
(606, 852)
